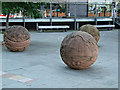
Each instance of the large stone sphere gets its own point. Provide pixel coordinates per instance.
(17, 38)
(79, 50)
(91, 30)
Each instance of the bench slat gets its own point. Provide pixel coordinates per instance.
(45, 27)
(103, 26)
(3, 27)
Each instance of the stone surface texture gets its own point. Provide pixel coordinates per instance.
(79, 50)
(91, 30)
(17, 38)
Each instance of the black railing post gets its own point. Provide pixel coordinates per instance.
(87, 8)
(51, 13)
(75, 16)
(66, 8)
(0, 7)
(96, 13)
(113, 13)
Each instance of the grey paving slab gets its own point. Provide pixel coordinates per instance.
(42, 62)
(13, 84)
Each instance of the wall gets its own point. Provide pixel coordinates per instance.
(81, 10)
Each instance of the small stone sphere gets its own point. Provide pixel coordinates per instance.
(91, 30)
(17, 38)
(79, 50)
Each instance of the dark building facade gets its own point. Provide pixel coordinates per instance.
(81, 10)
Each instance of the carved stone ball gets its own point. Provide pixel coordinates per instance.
(91, 30)
(17, 38)
(79, 50)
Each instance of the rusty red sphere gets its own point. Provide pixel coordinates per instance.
(17, 38)
(91, 30)
(79, 50)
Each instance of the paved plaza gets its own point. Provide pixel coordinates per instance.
(40, 65)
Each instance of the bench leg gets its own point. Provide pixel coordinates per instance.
(37, 26)
(63, 30)
(41, 30)
(110, 28)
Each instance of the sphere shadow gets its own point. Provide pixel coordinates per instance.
(93, 71)
(71, 69)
